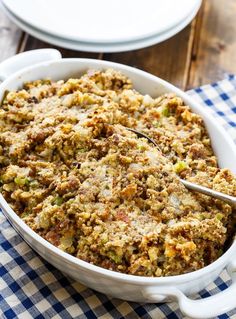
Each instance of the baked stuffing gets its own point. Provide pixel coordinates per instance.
(73, 172)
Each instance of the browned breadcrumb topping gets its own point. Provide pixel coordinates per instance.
(73, 172)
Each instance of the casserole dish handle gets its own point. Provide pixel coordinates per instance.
(25, 59)
(202, 308)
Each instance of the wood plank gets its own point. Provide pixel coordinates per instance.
(168, 60)
(10, 36)
(215, 43)
(31, 43)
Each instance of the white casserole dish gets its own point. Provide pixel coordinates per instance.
(46, 63)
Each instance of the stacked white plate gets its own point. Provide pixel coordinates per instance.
(102, 25)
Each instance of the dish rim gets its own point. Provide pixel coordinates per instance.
(141, 280)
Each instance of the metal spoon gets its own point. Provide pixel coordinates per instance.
(195, 187)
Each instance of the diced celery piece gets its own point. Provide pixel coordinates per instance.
(180, 166)
(58, 201)
(219, 216)
(166, 111)
(21, 181)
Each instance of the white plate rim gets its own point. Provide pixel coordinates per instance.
(106, 48)
(66, 36)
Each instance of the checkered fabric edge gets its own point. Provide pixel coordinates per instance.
(32, 288)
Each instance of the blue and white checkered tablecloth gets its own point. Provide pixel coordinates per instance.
(32, 288)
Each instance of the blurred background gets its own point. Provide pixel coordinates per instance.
(203, 52)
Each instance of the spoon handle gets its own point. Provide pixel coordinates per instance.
(201, 189)
(208, 191)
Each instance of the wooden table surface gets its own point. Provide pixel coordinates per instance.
(201, 53)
